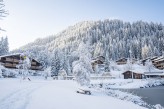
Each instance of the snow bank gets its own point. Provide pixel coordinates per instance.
(105, 87)
(158, 106)
(128, 83)
(120, 95)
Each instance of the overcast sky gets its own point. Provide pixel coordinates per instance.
(32, 19)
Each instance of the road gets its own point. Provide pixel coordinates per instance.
(153, 96)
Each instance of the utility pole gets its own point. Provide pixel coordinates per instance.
(130, 52)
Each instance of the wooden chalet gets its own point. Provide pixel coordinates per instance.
(97, 61)
(152, 59)
(136, 75)
(123, 61)
(158, 62)
(11, 61)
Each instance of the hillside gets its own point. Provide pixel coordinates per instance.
(110, 38)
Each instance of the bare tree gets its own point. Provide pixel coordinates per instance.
(3, 12)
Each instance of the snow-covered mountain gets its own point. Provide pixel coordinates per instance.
(111, 38)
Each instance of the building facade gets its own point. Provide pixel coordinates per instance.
(11, 61)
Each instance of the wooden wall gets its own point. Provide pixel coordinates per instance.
(128, 74)
(13, 60)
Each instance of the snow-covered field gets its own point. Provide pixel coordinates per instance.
(54, 94)
(128, 83)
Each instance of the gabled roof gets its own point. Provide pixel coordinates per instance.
(151, 58)
(9, 55)
(17, 55)
(133, 59)
(99, 59)
(121, 59)
(142, 69)
(134, 71)
(155, 73)
(161, 58)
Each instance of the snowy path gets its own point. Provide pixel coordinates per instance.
(18, 99)
(42, 94)
(17, 96)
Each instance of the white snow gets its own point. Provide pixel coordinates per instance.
(54, 94)
(128, 83)
(119, 69)
(158, 106)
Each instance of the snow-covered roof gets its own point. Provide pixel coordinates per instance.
(121, 59)
(101, 58)
(161, 58)
(93, 60)
(155, 73)
(140, 69)
(11, 55)
(135, 68)
(135, 71)
(154, 57)
(16, 54)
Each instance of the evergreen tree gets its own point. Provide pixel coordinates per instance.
(24, 65)
(110, 38)
(82, 68)
(4, 46)
(56, 62)
(149, 65)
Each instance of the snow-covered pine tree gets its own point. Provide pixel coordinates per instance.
(82, 68)
(47, 72)
(24, 65)
(112, 36)
(129, 66)
(107, 63)
(4, 46)
(66, 65)
(113, 65)
(56, 61)
(149, 65)
(1, 71)
(62, 74)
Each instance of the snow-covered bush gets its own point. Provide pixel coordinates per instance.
(106, 74)
(1, 67)
(4, 72)
(0, 73)
(47, 72)
(62, 74)
(113, 65)
(126, 96)
(158, 106)
(153, 83)
(128, 66)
